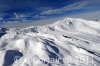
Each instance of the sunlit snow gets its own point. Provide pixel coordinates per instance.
(68, 42)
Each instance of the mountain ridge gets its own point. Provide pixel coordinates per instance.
(70, 41)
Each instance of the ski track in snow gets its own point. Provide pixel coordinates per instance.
(70, 41)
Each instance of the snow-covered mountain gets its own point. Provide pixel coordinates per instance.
(68, 42)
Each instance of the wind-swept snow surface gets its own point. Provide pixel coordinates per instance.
(68, 42)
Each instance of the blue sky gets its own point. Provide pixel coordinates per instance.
(48, 9)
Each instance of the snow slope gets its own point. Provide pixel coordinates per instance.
(68, 42)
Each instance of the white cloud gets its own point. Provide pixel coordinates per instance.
(74, 6)
(88, 15)
(39, 16)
